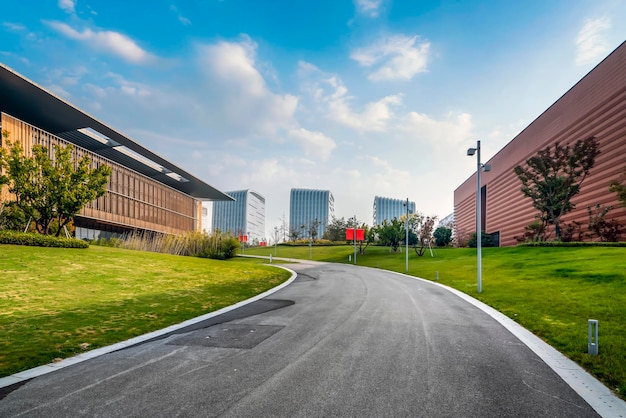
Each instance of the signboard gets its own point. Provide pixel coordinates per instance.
(360, 234)
(243, 238)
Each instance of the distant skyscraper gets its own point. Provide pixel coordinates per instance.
(388, 208)
(307, 206)
(245, 216)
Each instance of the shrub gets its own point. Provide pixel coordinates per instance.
(485, 241)
(229, 246)
(571, 244)
(38, 240)
(443, 236)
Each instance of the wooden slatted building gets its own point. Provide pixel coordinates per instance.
(145, 192)
(594, 107)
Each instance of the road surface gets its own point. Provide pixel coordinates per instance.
(340, 341)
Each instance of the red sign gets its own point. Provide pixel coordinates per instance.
(360, 234)
(243, 238)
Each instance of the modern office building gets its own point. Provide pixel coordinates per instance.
(243, 216)
(310, 206)
(145, 191)
(594, 107)
(386, 208)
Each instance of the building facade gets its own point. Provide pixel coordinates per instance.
(308, 207)
(145, 192)
(594, 107)
(386, 208)
(243, 216)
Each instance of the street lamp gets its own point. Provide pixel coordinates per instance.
(406, 239)
(479, 229)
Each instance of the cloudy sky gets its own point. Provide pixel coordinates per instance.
(361, 97)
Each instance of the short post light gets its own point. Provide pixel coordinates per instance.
(479, 229)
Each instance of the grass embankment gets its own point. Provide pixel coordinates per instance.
(57, 302)
(550, 291)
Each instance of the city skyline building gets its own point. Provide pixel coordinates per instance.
(386, 208)
(306, 206)
(243, 216)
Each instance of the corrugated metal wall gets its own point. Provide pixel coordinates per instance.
(595, 106)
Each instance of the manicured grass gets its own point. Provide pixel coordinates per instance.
(57, 302)
(550, 291)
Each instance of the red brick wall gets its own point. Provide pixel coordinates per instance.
(595, 106)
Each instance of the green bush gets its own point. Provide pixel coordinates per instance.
(38, 240)
(443, 236)
(484, 242)
(571, 244)
(229, 246)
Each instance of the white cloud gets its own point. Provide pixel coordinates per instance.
(15, 27)
(314, 143)
(396, 57)
(182, 19)
(591, 42)
(109, 41)
(369, 7)
(67, 5)
(331, 97)
(450, 132)
(238, 92)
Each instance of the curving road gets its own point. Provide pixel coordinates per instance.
(341, 341)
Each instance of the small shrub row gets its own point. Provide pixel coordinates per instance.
(38, 240)
(571, 244)
(306, 242)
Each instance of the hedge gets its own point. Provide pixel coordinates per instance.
(38, 240)
(571, 244)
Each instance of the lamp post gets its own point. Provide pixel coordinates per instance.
(479, 229)
(275, 239)
(406, 238)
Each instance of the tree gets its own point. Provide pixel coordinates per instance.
(443, 236)
(313, 229)
(52, 189)
(618, 186)
(293, 234)
(554, 175)
(422, 228)
(391, 233)
(335, 230)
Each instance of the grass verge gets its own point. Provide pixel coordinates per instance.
(57, 302)
(551, 291)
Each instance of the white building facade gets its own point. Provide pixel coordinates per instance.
(310, 206)
(386, 208)
(244, 216)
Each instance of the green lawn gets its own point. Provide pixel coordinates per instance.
(57, 302)
(551, 291)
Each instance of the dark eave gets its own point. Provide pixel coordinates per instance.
(31, 103)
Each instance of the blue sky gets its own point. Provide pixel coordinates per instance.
(363, 97)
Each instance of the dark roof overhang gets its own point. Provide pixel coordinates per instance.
(31, 103)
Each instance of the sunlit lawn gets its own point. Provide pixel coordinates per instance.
(550, 291)
(57, 302)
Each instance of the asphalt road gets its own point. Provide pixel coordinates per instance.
(340, 341)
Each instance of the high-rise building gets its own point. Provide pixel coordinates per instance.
(308, 207)
(386, 208)
(244, 216)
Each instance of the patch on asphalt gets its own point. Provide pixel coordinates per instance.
(229, 336)
(304, 278)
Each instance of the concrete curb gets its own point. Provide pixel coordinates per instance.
(48, 368)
